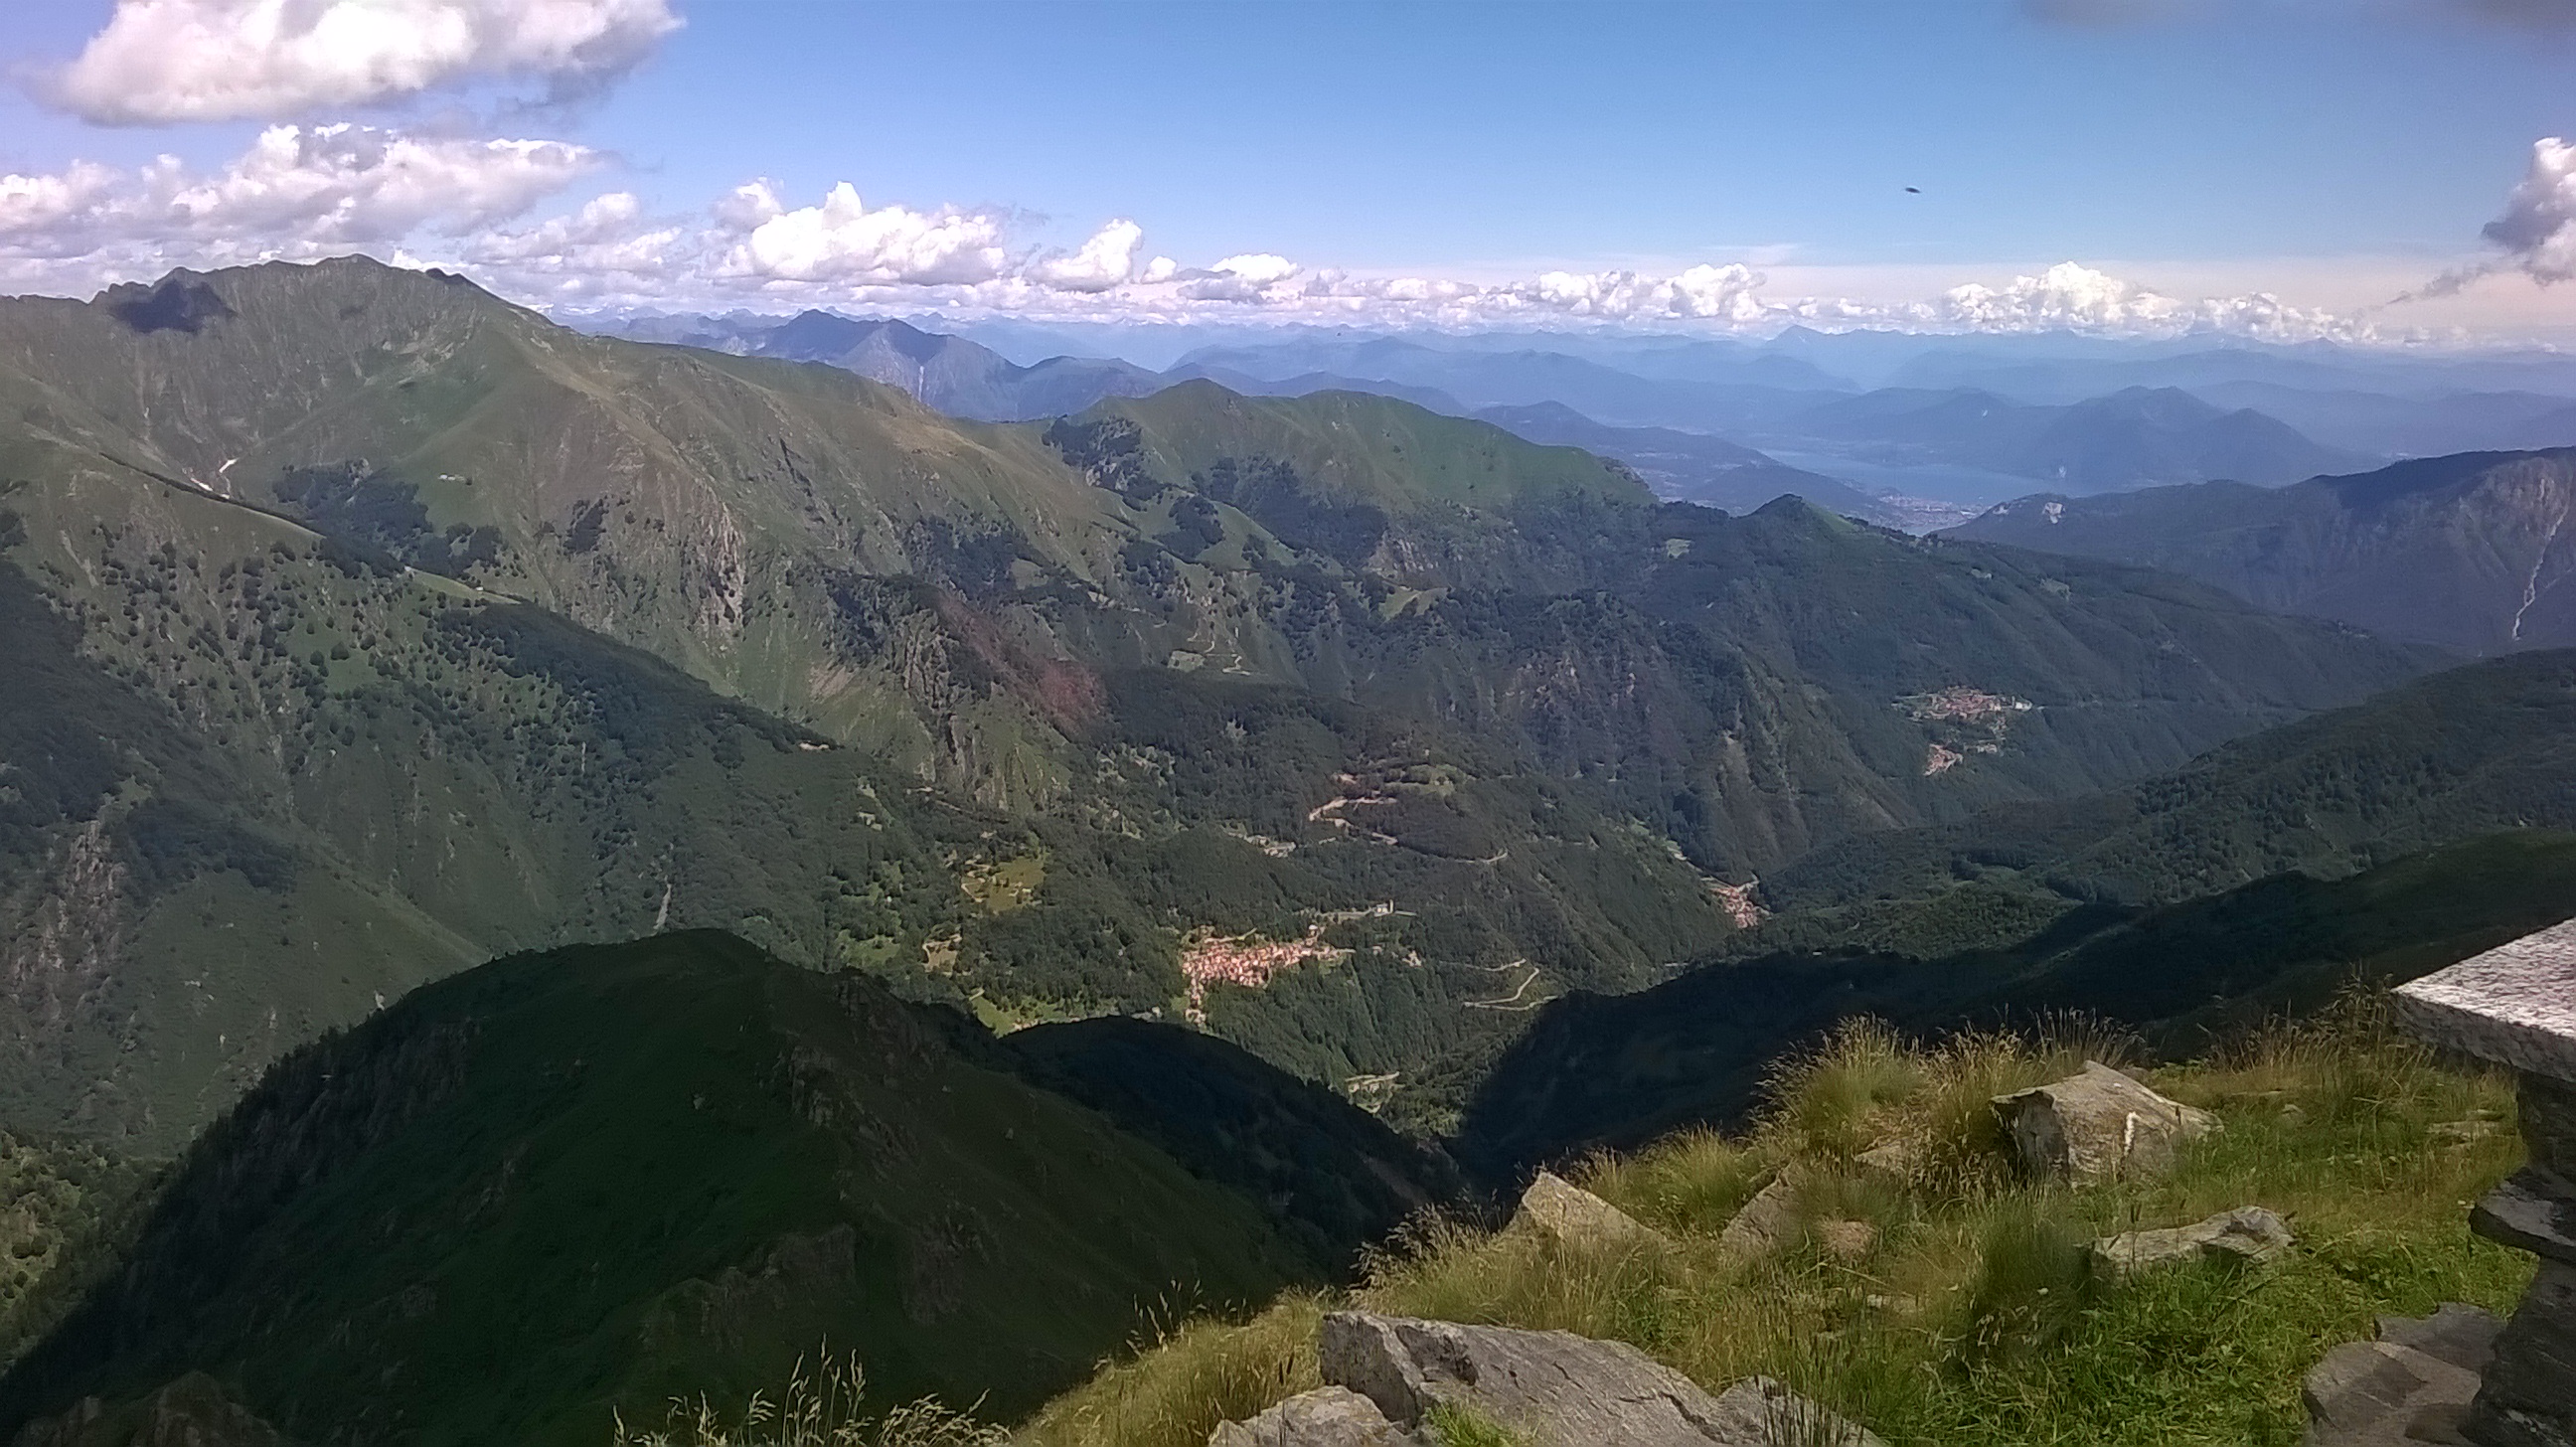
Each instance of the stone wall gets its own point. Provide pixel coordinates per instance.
(2516, 1006)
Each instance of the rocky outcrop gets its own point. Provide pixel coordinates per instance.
(1325, 1417)
(1555, 1209)
(1560, 1389)
(2412, 1385)
(2248, 1233)
(2098, 1124)
(1768, 1222)
(2515, 1006)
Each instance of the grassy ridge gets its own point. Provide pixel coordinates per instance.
(1968, 1317)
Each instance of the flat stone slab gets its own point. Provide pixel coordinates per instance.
(2248, 1233)
(2381, 1394)
(2457, 1333)
(2532, 1211)
(2515, 1005)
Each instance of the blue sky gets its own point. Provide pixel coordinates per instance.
(2285, 147)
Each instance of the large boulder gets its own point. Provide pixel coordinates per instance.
(1325, 1417)
(2098, 1124)
(1560, 1389)
(1555, 1209)
(2248, 1233)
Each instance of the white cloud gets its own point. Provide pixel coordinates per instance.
(1253, 277)
(301, 192)
(608, 246)
(296, 192)
(843, 241)
(2538, 227)
(1104, 261)
(160, 61)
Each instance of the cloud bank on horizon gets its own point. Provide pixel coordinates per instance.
(309, 187)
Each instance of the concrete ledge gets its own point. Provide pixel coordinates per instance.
(2514, 1006)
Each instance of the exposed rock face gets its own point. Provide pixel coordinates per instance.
(2098, 1124)
(2248, 1233)
(2515, 1005)
(1561, 1389)
(1325, 1417)
(1560, 1211)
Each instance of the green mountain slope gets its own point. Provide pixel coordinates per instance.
(2470, 552)
(405, 628)
(608, 1175)
(2484, 747)
(1598, 1072)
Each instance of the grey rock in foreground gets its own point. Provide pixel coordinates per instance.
(1325, 1417)
(1562, 1390)
(2098, 1124)
(2248, 1233)
(1557, 1210)
(2530, 1394)
(2410, 1387)
(1768, 1222)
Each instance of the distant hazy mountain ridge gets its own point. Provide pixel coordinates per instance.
(2473, 552)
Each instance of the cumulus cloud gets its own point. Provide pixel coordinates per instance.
(2538, 227)
(161, 61)
(2537, 231)
(296, 192)
(841, 240)
(301, 192)
(2073, 297)
(1104, 261)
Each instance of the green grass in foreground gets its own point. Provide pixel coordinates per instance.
(1968, 1318)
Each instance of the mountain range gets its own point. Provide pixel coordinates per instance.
(2469, 552)
(602, 863)
(1677, 400)
(392, 625)
(2127, 439)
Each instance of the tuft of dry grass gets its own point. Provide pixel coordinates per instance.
(1176, 1391)
(821, 1407)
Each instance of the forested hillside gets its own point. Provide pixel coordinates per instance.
(564, 1183)
(376, 626)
